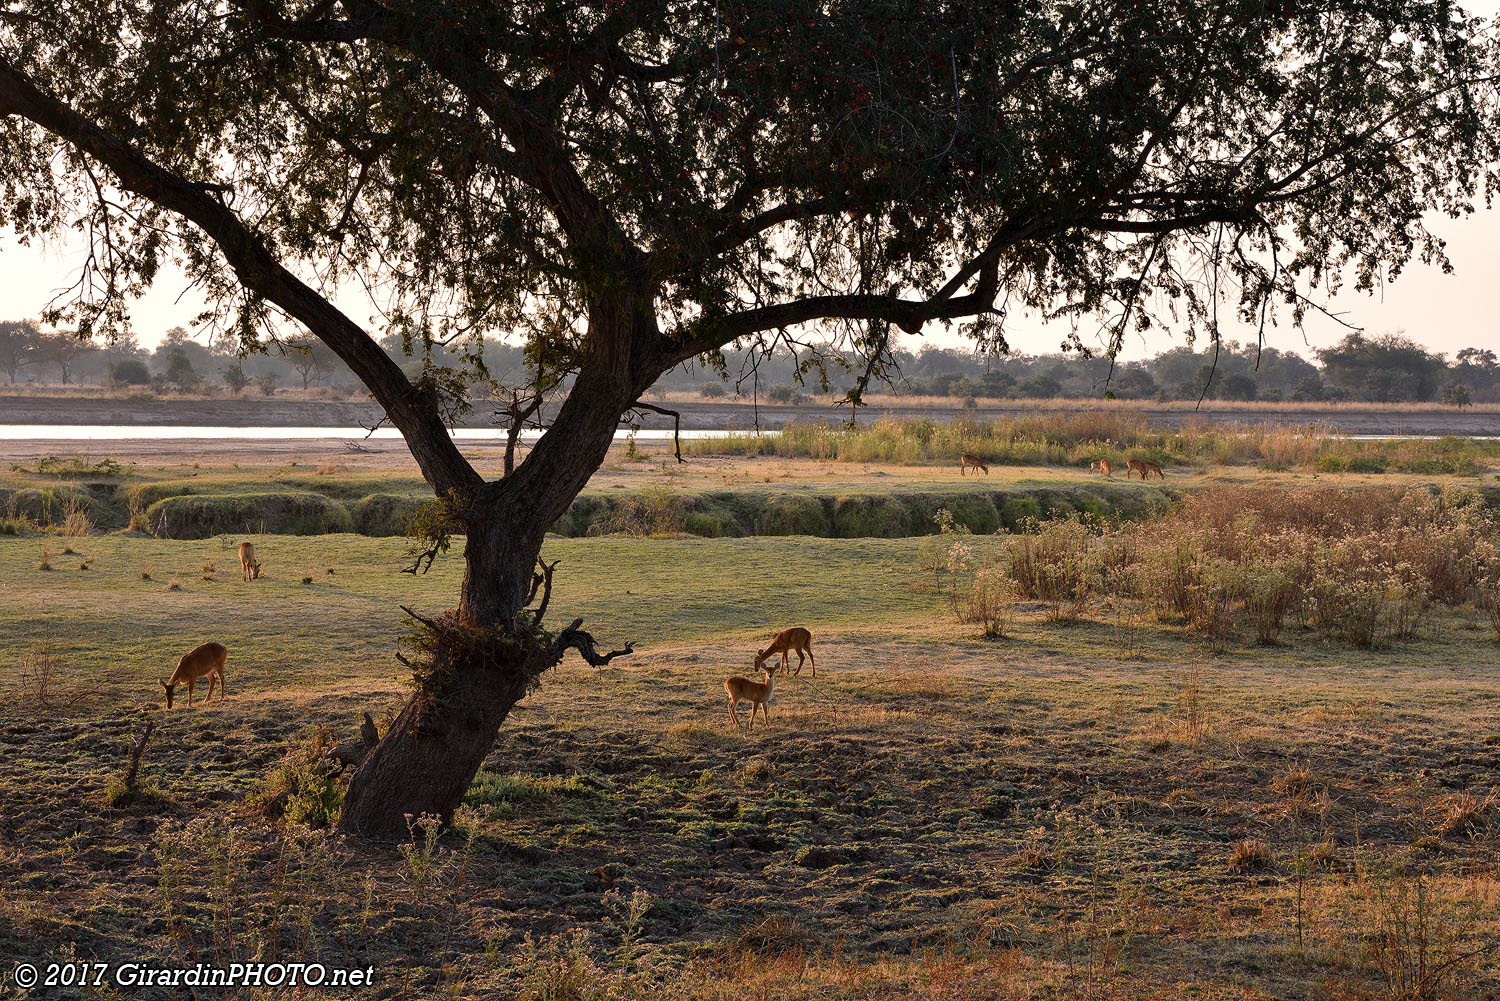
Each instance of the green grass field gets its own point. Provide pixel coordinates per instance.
(1094, 809)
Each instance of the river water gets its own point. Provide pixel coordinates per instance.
(139, 432)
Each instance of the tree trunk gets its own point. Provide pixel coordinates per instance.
(481, 659)
(472, 667)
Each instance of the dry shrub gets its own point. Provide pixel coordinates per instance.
(1270, 593)
(1193, 720)
(1360, 564)
(1464, 812)
(1422, 943)
(139, 520)
(1211, 603)
(38, 673)
(1250, 855)
(988, 602)
(1487, 597)
(1296, 781)
(76, 523)
(653, 510)
(1058, 562)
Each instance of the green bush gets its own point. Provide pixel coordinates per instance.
(386, 514)
(788, 514)
(1016, 511)
(45, 505)
(710, 526)
(975, 512)
(581, 514)
(870, 517)
(206, 515)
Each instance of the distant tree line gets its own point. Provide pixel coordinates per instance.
(29, 354)
(1387, 368)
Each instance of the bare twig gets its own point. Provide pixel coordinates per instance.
(676, 423)
(429, 554)
(584, 643)
(136, 750)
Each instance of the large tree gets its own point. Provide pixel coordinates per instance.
(1389, 368)
(20, 343)
(632, 184)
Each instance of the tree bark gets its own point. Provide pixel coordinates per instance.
(480, 662)
(487, 654)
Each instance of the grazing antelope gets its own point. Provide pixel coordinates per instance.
(1105, 467)
(207, 659)
(787, 640)
(966, 460)
(756, 693)
(249, 569)
(1143, 466)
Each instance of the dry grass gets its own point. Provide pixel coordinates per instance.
(933, 817)
(1249, 855)
(1464, 813)
(39, 671)
(1078, 437)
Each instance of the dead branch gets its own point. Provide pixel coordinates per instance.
(583, 642)
(676, 423)
(136, 750)
(425, 621)
(354, 753)
(429, 554)
(546, 575)
(518, 411)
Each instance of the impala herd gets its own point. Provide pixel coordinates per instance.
(208, 659)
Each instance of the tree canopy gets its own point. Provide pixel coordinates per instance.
(628, 185)
(747, 167)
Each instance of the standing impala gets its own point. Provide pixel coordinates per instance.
(787, 640)
(249, 569)
(970, 459)
(206, 659)
(754, 692)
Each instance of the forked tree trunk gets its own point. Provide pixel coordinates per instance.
(485, 657)
(477, 667)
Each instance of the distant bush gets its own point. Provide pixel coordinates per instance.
(712, 391)
(45, 505)
(386, 514)
(1361, 565)
(205, 515)
(784, 394)
(709, 526)
(652, 511)
(790, 514)
(870, 516)
(1076, 438)
(130, 372)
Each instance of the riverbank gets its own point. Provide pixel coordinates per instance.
(145, 410)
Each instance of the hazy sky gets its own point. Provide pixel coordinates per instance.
(1443, 312)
